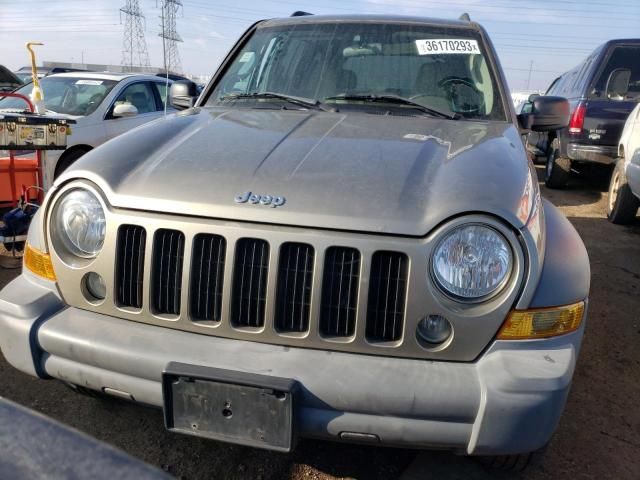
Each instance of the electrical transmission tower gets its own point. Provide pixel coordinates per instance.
(134, 45)
(169, 34)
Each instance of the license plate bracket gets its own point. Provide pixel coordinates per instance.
(226, 405)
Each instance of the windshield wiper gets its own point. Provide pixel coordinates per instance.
(399, 100)
(303, 102)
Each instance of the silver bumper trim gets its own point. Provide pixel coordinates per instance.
(508, 401)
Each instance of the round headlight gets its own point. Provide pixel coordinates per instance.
(472, 261)
(80, 223)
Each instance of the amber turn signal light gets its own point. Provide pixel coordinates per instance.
(39, 263)
(542, 323)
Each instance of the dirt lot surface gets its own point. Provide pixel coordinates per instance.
(598, 436)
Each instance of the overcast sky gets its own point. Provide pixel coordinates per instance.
(553, 34)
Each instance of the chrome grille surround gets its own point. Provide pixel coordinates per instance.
(207, 268)
(129, 262)
(340, 284)
(295, 285)
(474, 325)
(248, 294)
(166, 271)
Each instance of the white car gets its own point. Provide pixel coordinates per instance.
(624, 188)
(104, 105)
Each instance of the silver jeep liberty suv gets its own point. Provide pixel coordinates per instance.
(342, 237)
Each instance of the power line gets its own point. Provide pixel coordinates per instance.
(134, 45)
(169, 35)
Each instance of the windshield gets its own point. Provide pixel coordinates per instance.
(69, 95)
(25, 77)
(444, 69)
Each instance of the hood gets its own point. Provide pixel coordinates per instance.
(8, 81)
(356, 171)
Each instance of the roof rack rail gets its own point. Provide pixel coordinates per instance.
(465, 17)
(300, 13)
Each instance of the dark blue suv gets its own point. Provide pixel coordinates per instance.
(602, 91)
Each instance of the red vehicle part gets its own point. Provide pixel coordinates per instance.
(17, 176)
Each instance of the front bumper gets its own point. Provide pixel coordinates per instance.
(508, 401)
(602, 154)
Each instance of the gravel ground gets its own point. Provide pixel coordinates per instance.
(598, 436)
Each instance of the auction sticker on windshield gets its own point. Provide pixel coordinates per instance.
(447, 46)
(89, 82)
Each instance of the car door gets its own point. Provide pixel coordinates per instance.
(141, 95)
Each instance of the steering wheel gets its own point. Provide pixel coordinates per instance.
(452, 85)
(93, 101)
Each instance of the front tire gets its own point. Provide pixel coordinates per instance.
(622, 204)
(558, 168)
(67, 159)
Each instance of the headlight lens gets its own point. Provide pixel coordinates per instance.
(472, 261)
(80, 223)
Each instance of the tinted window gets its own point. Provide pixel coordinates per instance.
(553, 87)
(162, 91)
(140, 96)
(70, 95)
(582, 79)
(325, 60)
(568, 79)
(621, 57)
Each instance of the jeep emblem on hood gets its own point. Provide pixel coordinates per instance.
(255, 198)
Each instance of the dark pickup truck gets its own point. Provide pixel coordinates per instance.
(602, 91)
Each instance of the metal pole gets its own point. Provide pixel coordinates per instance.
(164, 48)
(131, 53)
(529, 78)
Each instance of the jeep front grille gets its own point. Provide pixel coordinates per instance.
(130, 265)
(333, 290)
(286, 290)
(207, 276)
(387, 291)
(250, 283)
(295, 278)
(168, 255)
(340, 292)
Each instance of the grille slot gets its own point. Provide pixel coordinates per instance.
(207, 277)
(130, 265)
(249, 294)
(168, 255)
(340, 292)
(387, 292)
(293, 298)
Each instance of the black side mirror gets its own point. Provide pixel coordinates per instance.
(183, 94)
(618, 83)
(547, 114)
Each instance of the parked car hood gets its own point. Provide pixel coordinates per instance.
(353, 171)
(8, 80)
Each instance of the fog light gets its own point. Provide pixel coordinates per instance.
(434, 329)
(95, 286)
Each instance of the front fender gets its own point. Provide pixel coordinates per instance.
(566, 273)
